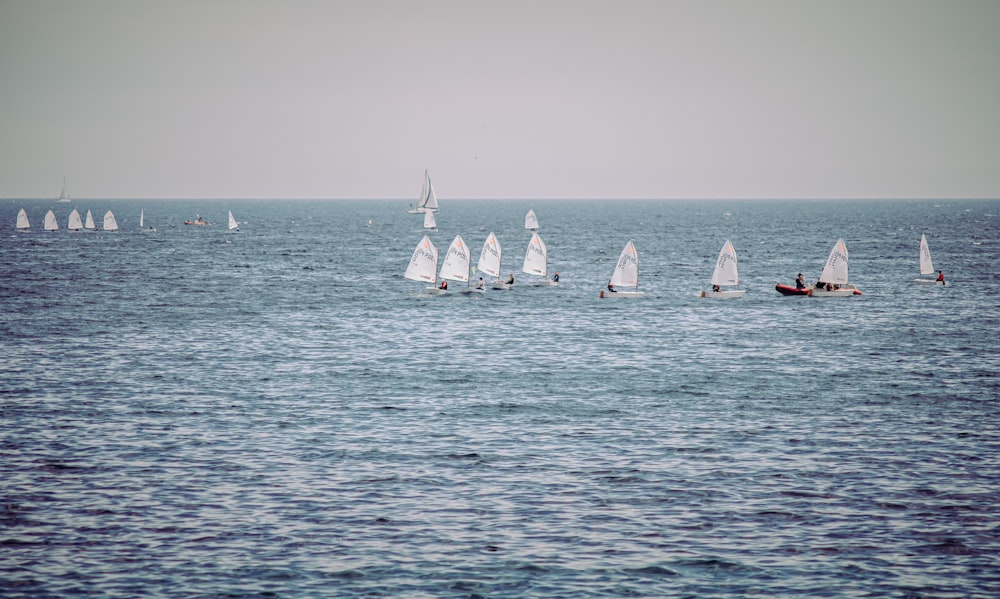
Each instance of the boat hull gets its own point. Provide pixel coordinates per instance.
(929, 282)
(844, 291)
(791, 290)
(435, 291)
(621, 294)
(730, 294)
(500, 285)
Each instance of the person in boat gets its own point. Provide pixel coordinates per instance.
(481, 284)
(555, 277)
(444, 284)
(611, 287)
(800, 282)
(716, 289)
(510, 278)
(940, 276)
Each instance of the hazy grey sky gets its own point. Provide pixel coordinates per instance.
(500, 99)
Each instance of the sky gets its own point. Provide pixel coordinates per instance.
(505, 99)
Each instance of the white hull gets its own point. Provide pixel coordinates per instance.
(621, 294)
(929, 281)
(546, 283)
(435, 291)
(473, 291)
(844, 291)
(732, 294)
(501, 285)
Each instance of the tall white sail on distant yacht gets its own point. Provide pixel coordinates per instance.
(63, 196)
(110, 222)
(22, 221)
(427, 199)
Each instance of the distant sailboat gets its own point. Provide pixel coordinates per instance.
(429, 221)
(833, 279)
(489, 261)
(22, 221)
(110, 223)
(63, 196)
(88, 223)
(926, 265)
(233, 225)
(530, 221)
(455, 266)
(536, 260)
(725, 274)
(428, 199)
(75, 223)
(423, 265)
(625, 274)
(50, 224)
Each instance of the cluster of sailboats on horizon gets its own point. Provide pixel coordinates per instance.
(624, 281)
(76, 223)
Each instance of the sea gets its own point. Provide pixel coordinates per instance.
(191, 412)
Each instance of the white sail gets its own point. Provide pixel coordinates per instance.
(430, 201)
(50, 223)
(75, 223)
(530, 220)
(423, 263)
(110, 223)
(22, 220)
(926, 266)
(726, 272)
(535, 257)
(455, 266)
(489, 258)
(88, 223)
(626, 273)
(835, 269)
(429, 221)
(142, 218)
(63, 196)
(233, 225)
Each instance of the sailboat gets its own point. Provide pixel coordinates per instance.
(725, 274)
(75, 223)
(22, 221)
(142, 222)
(428, 199)
(88, 223)
(455, 266)
(926, 266)
(536, 258)
(625, 274)
(110, 223)
(233, 225)
(423, 265)
(63, 196)
(489, 261)
(50, 224)
(429, 221)
(530, 220)
(833, 279)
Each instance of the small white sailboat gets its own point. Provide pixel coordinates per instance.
(22, 221)
(536, 260)
(50, 224)
(75, 223)
(233, 225)
(833, 279)
(726, 273)
(423, 265)
(428, 199)
(625, 274)
(455, 266)
(63, 196)
(88, 223)
(927, 266)
(530, 221)
(489, 261)
(110, 222)
(142, 222)
(429, 221)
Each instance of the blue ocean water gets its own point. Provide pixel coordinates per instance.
(277, 412)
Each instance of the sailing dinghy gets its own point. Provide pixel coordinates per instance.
(536, 261)
(455, 266)
(22, 221)
(530, 221)
(423, 265)
(110, 222)
(926, 265)
(50, 224)
(489, 261)
(233, 225)
(428, 199)
(725, 274)
(833, 279)
(75, 223)
(429, 221)
(625, 274)
(88, 223)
